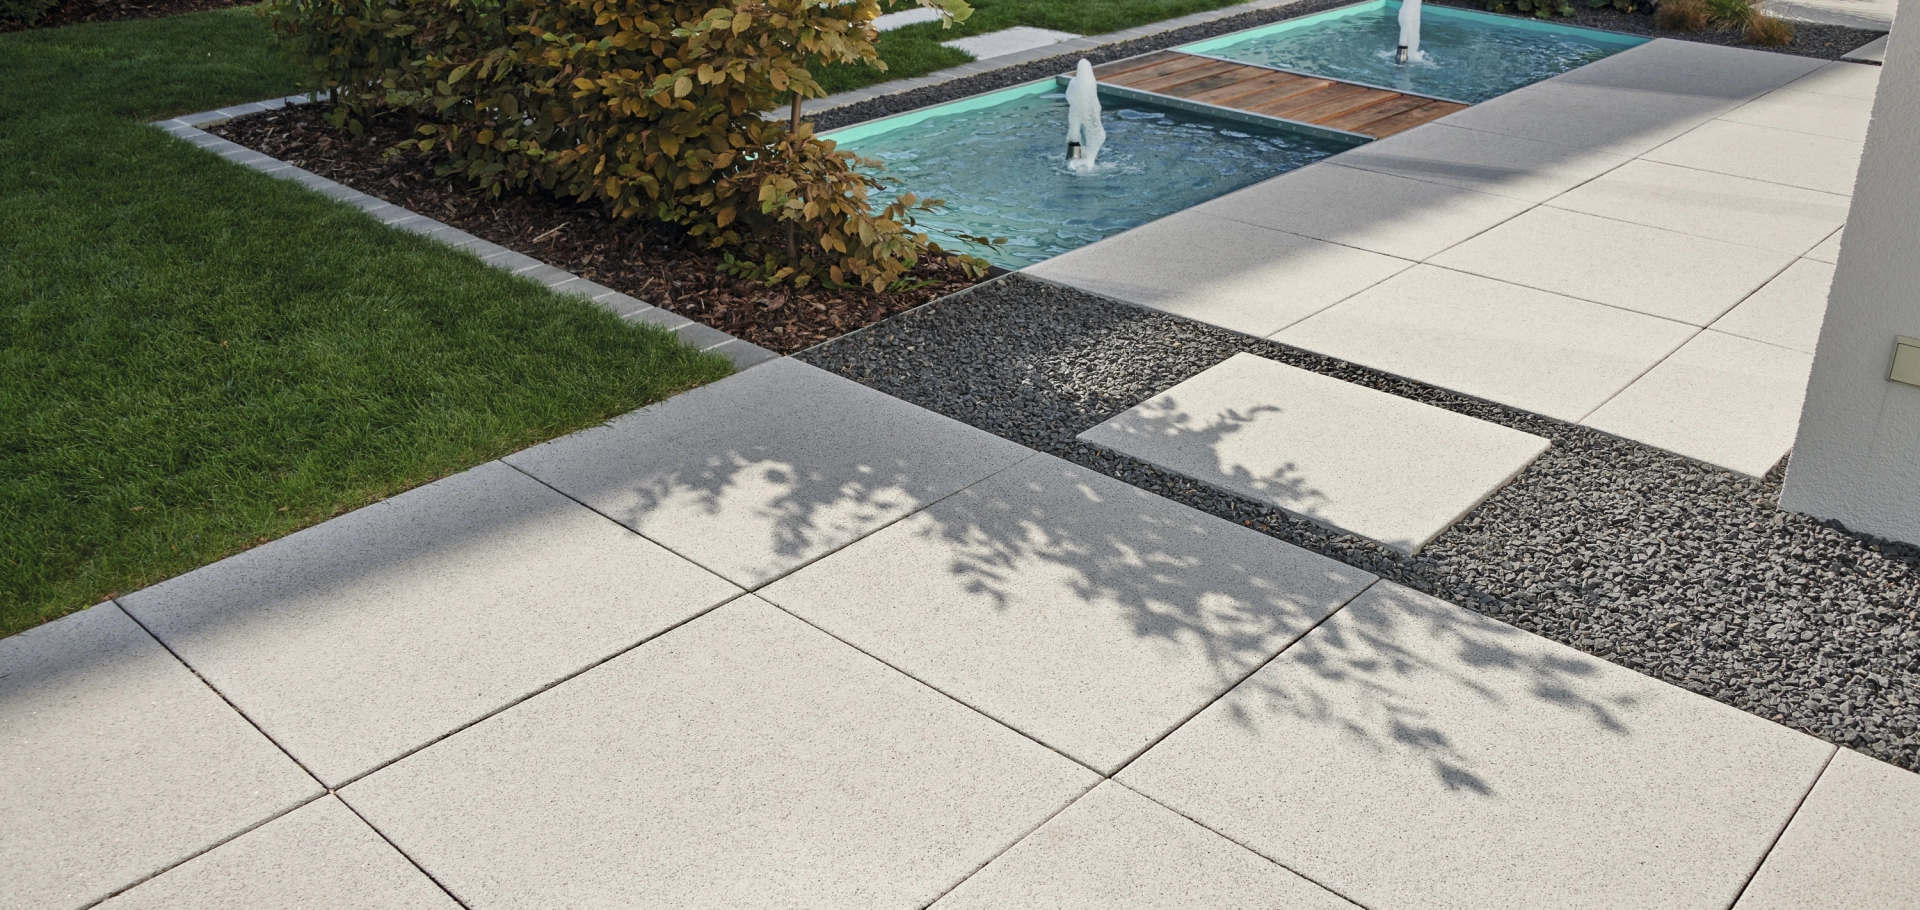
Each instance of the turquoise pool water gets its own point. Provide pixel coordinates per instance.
(1468, 56)
(1000, 163)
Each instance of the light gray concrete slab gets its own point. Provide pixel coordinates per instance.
(1735, 209)
(1836, 116)
(358, 640)
(1874, 51)
(1848, 80)
(1778, 156)
(1690, 68)
(1355, 459)
(1724, 400)
(1070, 606)
(1226, 273)
(1488, 162)
(320, 853)
(1114, 848)
(1645, 269)
(1788, 311)
(766, 471)
(914, 16)
(1620, 121)
(1829, 249)
(1851, 845)
(1532, 350)
(1413, 755)
(1008, 41)
(1410, 219)
(656, 316)
(119, 763)
(746, 759)
(1872, 15)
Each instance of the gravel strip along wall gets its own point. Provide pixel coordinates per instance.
(1823, 41)
(1680, 570)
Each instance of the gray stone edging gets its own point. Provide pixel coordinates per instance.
(1086, 43)
(743, 353)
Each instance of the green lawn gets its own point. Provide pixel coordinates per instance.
(916, 51)
(196, 358)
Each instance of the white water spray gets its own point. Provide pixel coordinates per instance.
(1085, 134)
(1409, 51)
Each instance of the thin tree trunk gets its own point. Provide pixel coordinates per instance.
(793, 237)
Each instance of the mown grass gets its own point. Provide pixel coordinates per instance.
(916, 49)
(196, 358)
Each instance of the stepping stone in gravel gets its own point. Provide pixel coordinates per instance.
(1348, 457)
(1008, 41)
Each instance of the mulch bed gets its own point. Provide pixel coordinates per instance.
(74, 12)
(649, 261)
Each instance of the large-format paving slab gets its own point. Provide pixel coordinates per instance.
(353, 642)
(1008, 41)
(320, 853)
(1725, 400)
(1664, 66)
(1848, 80)
(1524, 169)
(1545, 353)
(745, 759)
(769, 469)
(1836, 116)
(1355, 459)
(1644, 269)
(1852, 844)
(1872, 15)
(1705, 204)
(1117, 849)
(1073, 607)
(1788, 311)
(1410, 219)
(1603, 118)
(119, 763)
(1806, 160)
(1413, 755)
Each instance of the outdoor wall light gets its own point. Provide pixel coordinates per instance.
(1906, 360)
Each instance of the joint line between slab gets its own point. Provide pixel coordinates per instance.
(403, 854)
(1832, 753)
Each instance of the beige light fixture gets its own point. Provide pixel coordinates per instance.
(1906, 360)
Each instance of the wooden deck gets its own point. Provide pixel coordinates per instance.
(1305, 99)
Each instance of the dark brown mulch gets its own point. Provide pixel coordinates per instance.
(647, 261)
(74, 12)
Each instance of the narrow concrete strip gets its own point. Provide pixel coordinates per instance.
(358, 640)
(1357, 460)
(1874, 52)
(1115, 848)
(1413, 755)
(119, 762)
(1851, 845)
(743, 760)
(1079, 610)
(1008, 42)
(321, 848)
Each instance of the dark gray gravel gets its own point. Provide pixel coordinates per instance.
(1677, 569)
(1824, 41)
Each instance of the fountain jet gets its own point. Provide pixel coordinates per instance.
(1409, 51)
(1085, 134)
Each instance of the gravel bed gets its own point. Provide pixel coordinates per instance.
(1677, 569)
(1823, 41)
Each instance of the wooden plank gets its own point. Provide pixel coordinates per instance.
(1346, 104)
(1106, 71)
(1286, 106)
(1177, 63)
(1406, 120)
(1164, 84)
(1230, 96)
(1281, 93)
(1352, 121)
(1237, 76)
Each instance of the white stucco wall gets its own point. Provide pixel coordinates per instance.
(1857, 456)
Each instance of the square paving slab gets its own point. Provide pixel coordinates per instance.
(1410, 219)
(353, 642)
(1724, 400)
(1853, 844)
(1690, 68)
(1226, 273)
(1788, 311)
(1529, 349)
(1619, 121)
(1412, 755)
(1117, 849)
(1523, 169)
(119, 763)
(1354, 459)
(745, 759)
(1805, 160)
(1644, 269)
(767, 470)
(1073, 607)
(1735, 209)
(318, 852)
